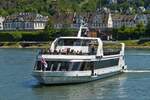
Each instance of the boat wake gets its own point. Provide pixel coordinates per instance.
(137, 71)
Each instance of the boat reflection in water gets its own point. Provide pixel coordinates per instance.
(79, 59)
(98, 90)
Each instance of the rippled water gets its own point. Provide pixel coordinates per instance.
(17, 83)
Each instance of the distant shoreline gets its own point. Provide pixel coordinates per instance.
(24, 44)
(47, 44)
(137, 47)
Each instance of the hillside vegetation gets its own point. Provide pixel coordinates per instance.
(46, 7)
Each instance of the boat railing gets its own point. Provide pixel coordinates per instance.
(73, 49)
(67, 51)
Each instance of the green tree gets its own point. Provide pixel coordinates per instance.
(141, 2)
(3, 12)
(89, 6)
(17, 36)
(125, 33)
(49, 30)
(140, 29)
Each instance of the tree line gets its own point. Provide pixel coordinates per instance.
(42, 35)
(47, 7)
(130, 33)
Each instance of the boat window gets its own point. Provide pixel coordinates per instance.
(58, 67)
(76, 42)
(55, 65)
(76, 66)
(106, 63)
(60, 43)
(64, 66)
(39, 66)
(87, 66)
(61, 66)
(83, 64)
(50, 66)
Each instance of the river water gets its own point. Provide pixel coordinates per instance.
(17, 83)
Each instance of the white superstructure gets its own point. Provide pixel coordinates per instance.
(78, 59)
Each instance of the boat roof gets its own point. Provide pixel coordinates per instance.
(67, 57)
(92, 38)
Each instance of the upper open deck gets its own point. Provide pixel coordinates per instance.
(76, 45)
(82, 47)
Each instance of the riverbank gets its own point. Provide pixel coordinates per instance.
(24, 44)
(128, 43)
(135, 44)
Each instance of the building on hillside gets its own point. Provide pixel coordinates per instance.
(74, 20)
(148, 7)
(25, 21)
(142, 18)
(130, 11)
(129, 20)
(148, 17)
(109, 21)
(62, 20)
(97, 22)
(123, 20)
(80, 18)
(1, 22)
(141, 9)
(94, 20)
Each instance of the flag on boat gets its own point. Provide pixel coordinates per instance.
(43, 61)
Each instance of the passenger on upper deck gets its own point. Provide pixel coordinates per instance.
(92, 49)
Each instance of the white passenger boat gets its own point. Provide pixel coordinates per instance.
(79, 59)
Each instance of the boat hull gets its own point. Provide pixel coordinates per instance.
(73, 77)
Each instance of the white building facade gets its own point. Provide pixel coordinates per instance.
(25, 21)
(1, 22)
(110, 22)
(94, 20)
(123, 20)
(142, 18)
